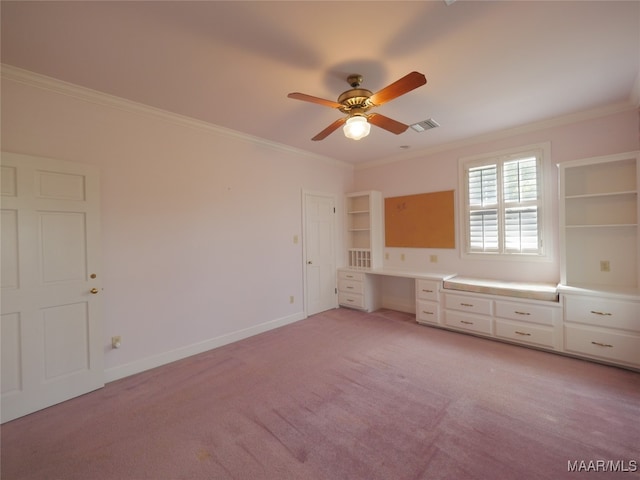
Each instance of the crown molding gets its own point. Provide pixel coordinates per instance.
(43, 82)
(506, 133)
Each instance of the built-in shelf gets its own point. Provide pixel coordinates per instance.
(364, 229)
(599, 221)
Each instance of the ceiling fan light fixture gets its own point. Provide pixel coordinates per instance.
(356, 127)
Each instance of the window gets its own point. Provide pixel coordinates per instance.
(503, 205)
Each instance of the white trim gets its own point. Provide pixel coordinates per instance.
(506, 133)
(25, 77)
(122, 371)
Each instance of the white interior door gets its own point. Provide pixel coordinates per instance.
(51, 327)
(319, 252)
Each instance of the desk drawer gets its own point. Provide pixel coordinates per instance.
(603, 312)
(525, 333)
(427, 312)
(346, 275)
(608, 345)
(351, 300)
(525, 312)
(350, 286)
(472, 323)
(469, 304)
(427, 290)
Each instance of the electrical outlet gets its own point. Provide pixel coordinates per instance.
(433, 258)
(402, 257)
(386, 255)
(291, 299)
(116, 341)
(605, 266)
(295, 239)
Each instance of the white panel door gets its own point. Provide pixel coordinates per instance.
(320, 268)
(50, 326)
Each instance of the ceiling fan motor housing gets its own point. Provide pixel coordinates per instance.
(355, 98)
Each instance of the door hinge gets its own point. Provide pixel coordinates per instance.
(336, 290)
(334, 209)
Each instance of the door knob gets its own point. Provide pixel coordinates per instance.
(309, 262)
(94, 290)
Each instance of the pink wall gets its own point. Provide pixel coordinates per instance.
(197, 226)
(609, 134)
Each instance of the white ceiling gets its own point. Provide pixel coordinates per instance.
(490, 66)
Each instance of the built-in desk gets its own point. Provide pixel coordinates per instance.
(525, 313)
(372, 289)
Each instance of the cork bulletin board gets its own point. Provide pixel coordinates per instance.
(425, 220)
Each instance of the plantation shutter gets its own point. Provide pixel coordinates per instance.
(503, 206)
(483, 211)
(520, 187)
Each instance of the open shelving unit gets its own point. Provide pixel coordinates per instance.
(599, 221)
(364, 229)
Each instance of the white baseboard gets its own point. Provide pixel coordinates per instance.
(122, 371)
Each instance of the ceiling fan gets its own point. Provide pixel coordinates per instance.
(357, 102)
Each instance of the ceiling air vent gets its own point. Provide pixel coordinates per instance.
(425, 125)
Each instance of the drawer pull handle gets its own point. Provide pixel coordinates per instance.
(467, 304)
(427, 313)
(349, 276)
(595, 312)
(525, 334)
(466, 323)
(602, 344)
(350, 300)
(521, 313)
(349, 288)
(427, 291)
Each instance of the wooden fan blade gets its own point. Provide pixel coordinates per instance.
(397, 88)
(387, 123)
(330, 129)
(308, 98)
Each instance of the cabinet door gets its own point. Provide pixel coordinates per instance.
(427, 290)
(473, 323)
(350, 286)
(525, 333)
(427, 312)
(526, 312)
(603, 312)
(351, 300)
(469, 304)
(602, 343)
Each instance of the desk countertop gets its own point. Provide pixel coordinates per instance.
(441, 276)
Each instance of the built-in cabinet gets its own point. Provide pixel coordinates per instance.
(597, 313)
(357, 290)
(602, 325)
(600, 245)
(428, 301)
(530, 322)
(364, 229)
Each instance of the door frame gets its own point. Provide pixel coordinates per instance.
(334, 198)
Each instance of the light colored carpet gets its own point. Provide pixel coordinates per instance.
(341, 395)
